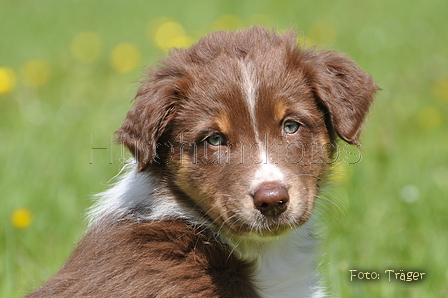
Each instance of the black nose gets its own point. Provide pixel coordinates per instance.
(271, 199)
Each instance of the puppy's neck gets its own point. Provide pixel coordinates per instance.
(285, 265)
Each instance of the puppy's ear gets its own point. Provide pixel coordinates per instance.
(345, 90)
(153, 111)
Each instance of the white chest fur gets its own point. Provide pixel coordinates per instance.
(285, 264)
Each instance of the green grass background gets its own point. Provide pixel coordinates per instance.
(393, 205)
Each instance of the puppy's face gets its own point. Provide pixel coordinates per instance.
(242, 126)
(250, 146)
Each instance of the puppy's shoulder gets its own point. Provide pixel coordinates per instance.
(168, 258)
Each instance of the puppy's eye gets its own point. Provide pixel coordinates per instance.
(216, 140)
(290, 127)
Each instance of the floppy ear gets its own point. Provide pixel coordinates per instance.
(345, 90)
(148, 119)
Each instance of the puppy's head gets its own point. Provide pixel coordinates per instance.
(243, 124)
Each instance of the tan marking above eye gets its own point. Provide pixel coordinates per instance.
(223, 123)
(280, 109)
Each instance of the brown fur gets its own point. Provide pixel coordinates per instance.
(157, 260)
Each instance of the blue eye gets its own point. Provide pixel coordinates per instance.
(290, 127)
(216, 140)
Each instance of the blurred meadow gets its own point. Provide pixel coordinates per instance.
(68, 72)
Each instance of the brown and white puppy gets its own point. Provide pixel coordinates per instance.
(232, 139)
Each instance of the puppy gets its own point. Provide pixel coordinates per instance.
(232, 139)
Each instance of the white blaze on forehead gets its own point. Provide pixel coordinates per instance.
(266, 172)
(250, 92)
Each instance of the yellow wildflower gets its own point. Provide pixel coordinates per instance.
(125, 57)
(22, 218)
(7, 80)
